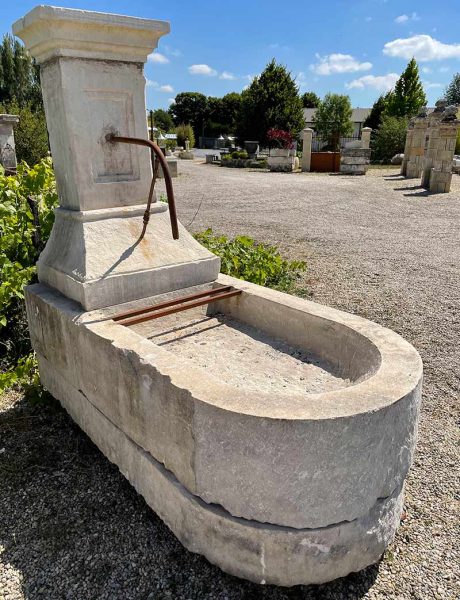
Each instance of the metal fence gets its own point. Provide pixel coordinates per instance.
(321, 143)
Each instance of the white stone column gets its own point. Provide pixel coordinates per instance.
(93, 84)
(366, 137)
(7, 145)
(307, 136)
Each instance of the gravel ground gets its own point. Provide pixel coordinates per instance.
(71, 527)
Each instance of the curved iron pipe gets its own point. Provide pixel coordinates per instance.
(167, 175)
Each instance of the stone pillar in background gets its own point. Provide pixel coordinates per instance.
(7, 145)
(355, 161)
(431, 142)
(307, 136)
(91, 71)
(366, 138)
(441, 173)
(407, 147)
(416, 150)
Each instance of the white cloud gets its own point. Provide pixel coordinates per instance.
(444, 69)
(157, 57)
(202, 70)
(161, 88)
(381, 83)
(228, 76)
(422, 47)
(338, 63)
(427, 70)
(404, 18)
(171, 100)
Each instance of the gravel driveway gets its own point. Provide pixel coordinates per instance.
(71, 527)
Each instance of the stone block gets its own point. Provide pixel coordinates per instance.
(354, 160)
(173, 169)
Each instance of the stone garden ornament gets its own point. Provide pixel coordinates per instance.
(273, 435)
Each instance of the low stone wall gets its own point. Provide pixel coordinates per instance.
(355, 161)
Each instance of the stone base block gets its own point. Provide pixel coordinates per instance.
(186, 155)
(262, 553)
(413, 171)
(354, 160)
(440, 182)
(353, 169)
(96, 257)
(172, 165)
(281, 164)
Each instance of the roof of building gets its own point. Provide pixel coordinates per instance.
(359, 115)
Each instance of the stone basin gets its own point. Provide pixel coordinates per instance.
(283, 429)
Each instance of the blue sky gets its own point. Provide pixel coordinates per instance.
(354, 47)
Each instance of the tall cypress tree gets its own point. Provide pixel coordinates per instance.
(452, 94)
(271, 101)
(408, 97)
(19, 78)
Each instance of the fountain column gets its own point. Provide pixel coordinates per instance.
(93, 84)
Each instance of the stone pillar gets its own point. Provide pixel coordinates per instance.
(442, 155)
(91, 71)
(407, 147)
(7, 145)
(307, 136)
(366, 137)
(416, 150)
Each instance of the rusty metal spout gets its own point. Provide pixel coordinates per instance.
(160, 159)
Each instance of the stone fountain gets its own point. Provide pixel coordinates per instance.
(272, 435)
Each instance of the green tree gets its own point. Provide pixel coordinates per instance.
(378, 108)
(452, 94)
(163, 120)
(190, 107)
(408, 97)
(332, 118)
(271, 101)
(185, 132)
(390, 138)
(310, 100)
(222, 114)
(19, 76)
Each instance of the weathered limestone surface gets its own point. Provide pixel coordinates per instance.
(172, 165)
(95, 256)
(329, 456)
(259, 552)
(355, 161)
(7, 144)
(93, 85)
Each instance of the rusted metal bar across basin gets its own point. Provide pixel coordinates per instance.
(175, 305)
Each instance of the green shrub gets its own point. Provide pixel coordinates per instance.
(389, 139)
(183, 133)
(27, 201)
(240, 154)
(244, 258)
